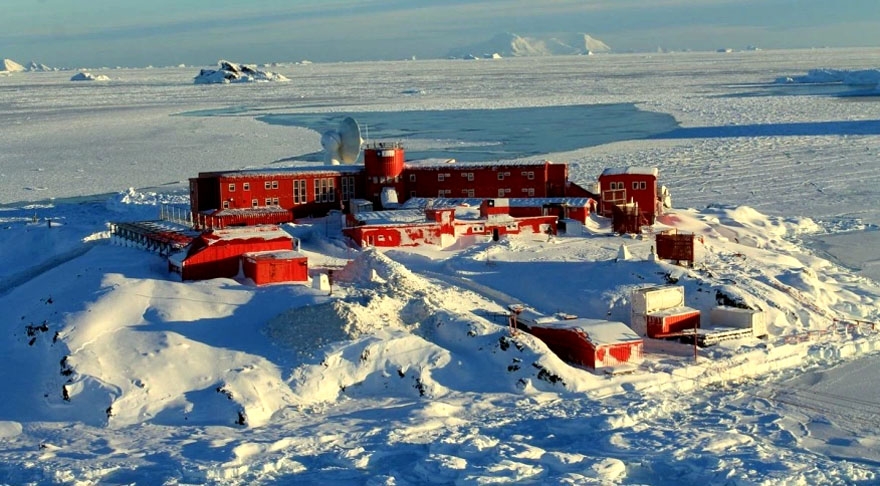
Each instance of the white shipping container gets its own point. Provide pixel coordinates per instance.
(724, 316)
(653, 299)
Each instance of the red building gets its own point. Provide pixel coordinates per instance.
(442, 226)
(630, 191)
(591, 343)
(272, 196)
(265, 267)
(217, 254)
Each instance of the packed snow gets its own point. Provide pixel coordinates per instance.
(404, 371)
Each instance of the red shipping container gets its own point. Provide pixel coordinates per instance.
(275, 266)
(672, 321)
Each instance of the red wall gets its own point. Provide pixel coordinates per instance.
(486, 181)
(569, 345)
(395, 236)
(666, 324)
(275, 270)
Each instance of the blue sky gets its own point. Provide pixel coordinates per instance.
(96, 33)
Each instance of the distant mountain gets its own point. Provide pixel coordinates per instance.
(10, 66)
(509, 44)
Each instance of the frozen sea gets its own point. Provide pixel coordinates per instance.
(718, 126)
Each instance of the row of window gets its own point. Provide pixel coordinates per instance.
(636, 185)
(269, 201)
(530, 175)
(325, 190)
(246, 186)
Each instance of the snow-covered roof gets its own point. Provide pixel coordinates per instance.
(245, 233)
(259, 210)
(597, 331)
(437, 163)
(673, 311)
(391, 217)
(271, 172)
(513, 202)
(275, 255)
(611, 171)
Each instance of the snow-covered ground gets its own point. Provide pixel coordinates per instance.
(406, 374)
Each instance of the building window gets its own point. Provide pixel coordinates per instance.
(246, 186)
(530, 176)
(225, 204)
(325, 190)
(500, 192)
(268, 201)
(470, 193)
(274, 184)
(412, 177)
(299, 191)
(531, 192)
(275, 201)
(412, 193)
(267, 185)
(635, 185)
(441, 177)
(470, 177)
(643, 185)
(501, 176)
(507, 190)
(330, 190)
(380, 238)
(255, 203)
(347, 188)
(231, 187)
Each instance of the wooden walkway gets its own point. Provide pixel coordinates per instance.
(163, 237)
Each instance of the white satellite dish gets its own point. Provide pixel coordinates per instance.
(343, 145)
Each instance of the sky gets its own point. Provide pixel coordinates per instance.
(135, 33)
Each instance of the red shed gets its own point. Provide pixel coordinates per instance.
(637, 185)
(217, 253)
(592, 343)
(672, 245)
(265, 267)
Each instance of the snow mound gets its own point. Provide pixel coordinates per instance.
(85, 76)
(10, 66)
(230, 72)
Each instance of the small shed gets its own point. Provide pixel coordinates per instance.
(265, 267)
(595, 344)
(672, 245)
